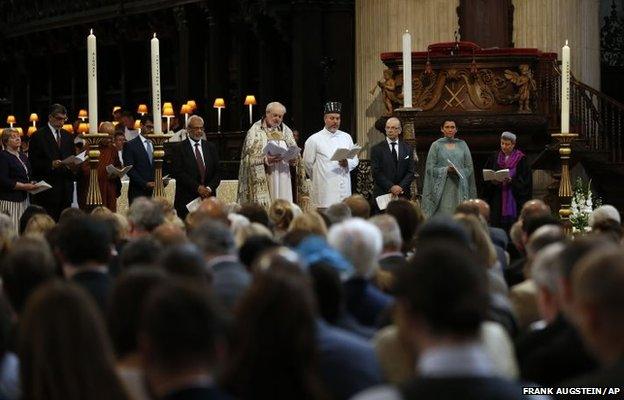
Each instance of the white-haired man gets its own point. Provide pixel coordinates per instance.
(360, 242)
(506, 198)
(262, 177)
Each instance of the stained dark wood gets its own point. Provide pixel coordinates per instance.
(488, 23)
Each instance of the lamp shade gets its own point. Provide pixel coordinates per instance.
(219, 103)
(83, 114)
(168, 111)
(11, 119)
(31, 130)
(186, 109)
(83, 127)
(167, 105)
(250, 100)
(192, 104)
(142, 109)
(116, 108)
(69, 128)
(33, 117)
(20, 131)
(137, 124)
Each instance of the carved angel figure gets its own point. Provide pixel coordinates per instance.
(525, 83)
(391, 95)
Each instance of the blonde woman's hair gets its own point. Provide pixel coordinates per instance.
(281, 214)
(309, 221)
(39, 224)
(483, 246)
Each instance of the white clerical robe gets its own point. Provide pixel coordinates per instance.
(331, 183)
(278, 177)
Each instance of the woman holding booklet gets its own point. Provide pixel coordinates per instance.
(449, 174)
(507, 196)
(15, 177)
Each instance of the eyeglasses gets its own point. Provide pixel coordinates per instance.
(59, 117)
(195, 128)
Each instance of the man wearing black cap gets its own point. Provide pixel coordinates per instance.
(331, 182)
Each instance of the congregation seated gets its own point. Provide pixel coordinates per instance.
(330, 313)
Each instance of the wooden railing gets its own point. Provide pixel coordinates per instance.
(596, 117)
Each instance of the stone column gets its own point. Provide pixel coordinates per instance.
(379, 26)
(546, 24)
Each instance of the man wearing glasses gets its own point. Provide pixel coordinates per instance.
(195, 165)
(48, 146)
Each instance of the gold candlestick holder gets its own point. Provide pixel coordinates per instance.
(565, 187)
(94, 196)
(158, 140)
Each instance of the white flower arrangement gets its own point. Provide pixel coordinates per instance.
(582, 206)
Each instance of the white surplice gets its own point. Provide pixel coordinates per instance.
(331, 183)
(278, 177)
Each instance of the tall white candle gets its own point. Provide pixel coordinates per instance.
(565, 88)
(156, 85)
(92, 82)
(407, 70)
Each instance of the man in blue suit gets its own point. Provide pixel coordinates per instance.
(392, 163)
(139, 152)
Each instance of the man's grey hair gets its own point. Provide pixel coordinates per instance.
(508, 136)
(390, 230)
(338, 212)
(213, 238)
(546, 269)
(603, 213)
(195, 117)
(275, 104)
(542, 237)
(145, 214)
(360, 242)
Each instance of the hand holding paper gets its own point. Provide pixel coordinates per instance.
(344, 154)
(41, 186)
(450, 163)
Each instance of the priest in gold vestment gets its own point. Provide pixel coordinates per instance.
(264, 177)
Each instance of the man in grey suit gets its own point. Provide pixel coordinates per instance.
(392, 163)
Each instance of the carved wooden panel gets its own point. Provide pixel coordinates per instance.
(488, 23)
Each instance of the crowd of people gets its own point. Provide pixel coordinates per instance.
(263, 299)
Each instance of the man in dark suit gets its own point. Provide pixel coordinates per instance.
(48, 146)
(195, 165)
(392, 163)
(139, 152)
(442, 301)
(85, 247)
(182, 335)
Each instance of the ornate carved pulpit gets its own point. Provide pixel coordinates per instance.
(485, 91)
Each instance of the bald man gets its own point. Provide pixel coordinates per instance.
(392, 163)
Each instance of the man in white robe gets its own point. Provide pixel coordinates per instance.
(331, 182)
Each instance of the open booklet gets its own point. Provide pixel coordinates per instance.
(497, 176)
(194, 204)
(450, 163)
(287, 154)
(75, 160)
(384, 199)
(41, 186)
(116, 172)
(344, 154)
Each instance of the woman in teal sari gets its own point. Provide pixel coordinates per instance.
(449, 174)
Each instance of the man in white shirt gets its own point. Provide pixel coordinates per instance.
(331, 182)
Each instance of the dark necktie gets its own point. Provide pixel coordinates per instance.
(150, 150)
(200, 163)
(57, 137)
(395, 156)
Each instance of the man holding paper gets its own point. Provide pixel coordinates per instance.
(195, 165)
(268, 152)
(48, 146)
(449, 174)
(507, 196)
(392, 163)
(329, 156)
